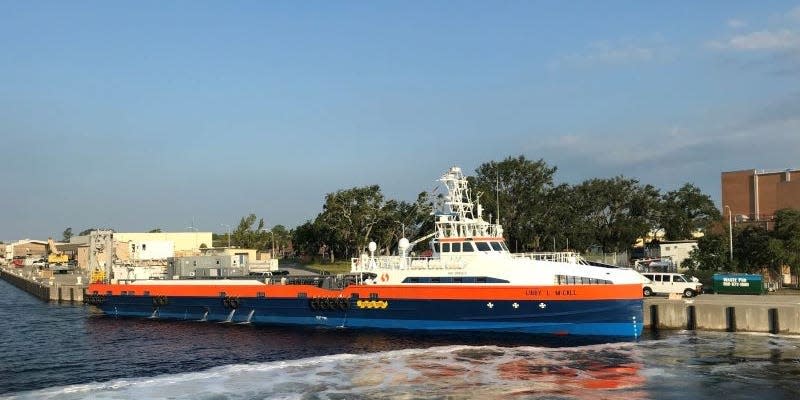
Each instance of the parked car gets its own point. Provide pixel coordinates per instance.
(670, 282)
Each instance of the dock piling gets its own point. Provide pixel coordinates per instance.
(691, 318)
(730, 319)
(774, 323)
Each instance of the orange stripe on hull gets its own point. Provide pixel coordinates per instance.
(408, 292)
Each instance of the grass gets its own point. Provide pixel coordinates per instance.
(339, 267)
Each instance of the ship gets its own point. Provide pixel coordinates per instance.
(468, 281)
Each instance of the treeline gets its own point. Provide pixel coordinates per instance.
(251, 233)
(754, 246)
(537, 214)
(535, 211)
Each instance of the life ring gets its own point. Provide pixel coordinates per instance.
(384, 277)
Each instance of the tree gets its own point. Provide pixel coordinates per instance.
(351, 215)
(616, 210)
(521, 187)
(310, 237)
(787, 232)
(66, 235)
(249, 235)
(280, 237)
(156, 230)
(752, 249)
(711, 254)
(685, 211)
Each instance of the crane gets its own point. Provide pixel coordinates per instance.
(56, 259)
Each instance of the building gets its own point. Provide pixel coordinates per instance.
(26, 248)
(140, 248)
(676, 250)
(183, 243)
(753, 195)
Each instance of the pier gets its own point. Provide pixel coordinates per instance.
(773, 313)
(47, 287)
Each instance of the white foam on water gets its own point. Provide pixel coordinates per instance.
(455, 371)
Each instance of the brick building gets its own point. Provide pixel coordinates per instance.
(754, 195)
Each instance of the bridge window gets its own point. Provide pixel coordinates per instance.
(467, 247)
(483, 246)
(496, 246)
(456, 247)
(436, 248)
(445, 247)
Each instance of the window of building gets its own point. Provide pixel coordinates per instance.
(144, 247)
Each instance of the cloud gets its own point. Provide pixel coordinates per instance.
(794, 14)
(736, 23)
(690, 151)
(761, 40)
(608, 53)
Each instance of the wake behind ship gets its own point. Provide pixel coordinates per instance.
(470, 282)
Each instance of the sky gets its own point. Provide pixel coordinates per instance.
(192, 114)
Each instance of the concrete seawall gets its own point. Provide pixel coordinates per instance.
(732, 313)
(59, 288)
(34, 288)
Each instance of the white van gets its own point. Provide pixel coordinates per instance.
(667, 282)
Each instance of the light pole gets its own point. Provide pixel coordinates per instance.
(272, 254)
(229, 234)
(730, 232)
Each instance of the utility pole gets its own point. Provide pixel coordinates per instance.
(730, 233)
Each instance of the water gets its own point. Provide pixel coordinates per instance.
(50, 351)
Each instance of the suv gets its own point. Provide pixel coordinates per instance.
(666, 282)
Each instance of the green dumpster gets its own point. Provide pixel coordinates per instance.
(738, 283)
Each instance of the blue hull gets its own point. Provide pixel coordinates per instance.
(612, 318)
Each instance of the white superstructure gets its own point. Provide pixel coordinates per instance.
(468, 249)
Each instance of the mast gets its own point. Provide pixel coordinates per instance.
(456, 218)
